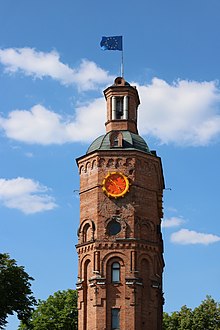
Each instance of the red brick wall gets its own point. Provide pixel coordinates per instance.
(138, 246)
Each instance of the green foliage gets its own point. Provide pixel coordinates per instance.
(15, 293)
(204, 317)
(185, 318)
(57, 312)
(207, 315)
(170, 322)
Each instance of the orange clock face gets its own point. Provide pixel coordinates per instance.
(115, 185)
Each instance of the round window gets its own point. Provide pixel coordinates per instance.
(114, 227)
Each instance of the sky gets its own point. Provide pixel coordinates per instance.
(52, 76)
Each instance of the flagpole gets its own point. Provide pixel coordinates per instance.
(114, 43)
(122, 64)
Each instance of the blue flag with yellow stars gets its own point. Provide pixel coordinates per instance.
(111, 43)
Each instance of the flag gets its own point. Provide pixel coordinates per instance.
(111, 43)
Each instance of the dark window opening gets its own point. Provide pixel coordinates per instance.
(115, 272)
(114, 228)
(119, 108)
(86, 233)
(116, 140)
(115, 319)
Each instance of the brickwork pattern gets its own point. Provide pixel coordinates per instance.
(138, 247)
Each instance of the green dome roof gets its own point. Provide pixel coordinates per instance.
(131, 141)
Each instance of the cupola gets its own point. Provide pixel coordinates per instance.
(122, 104)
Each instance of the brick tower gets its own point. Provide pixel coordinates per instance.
(120, 245)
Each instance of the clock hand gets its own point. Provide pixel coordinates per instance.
(115, 184)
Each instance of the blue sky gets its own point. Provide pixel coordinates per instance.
(52, 74)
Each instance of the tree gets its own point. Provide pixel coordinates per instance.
(207, 315)
(15, 291)
(171, 322)
(57, 312)
(185, 318)
(204, 317)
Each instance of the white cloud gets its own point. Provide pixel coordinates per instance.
(42, 126)
(172, 209)
(29, 154)
(88, 76)
(185, 236)
(172, 222)
(40, 64)
(25, 195)
(183, 113)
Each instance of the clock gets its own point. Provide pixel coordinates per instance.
(115, 184)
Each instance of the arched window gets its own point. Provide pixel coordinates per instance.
(115, 272)
(86, 233)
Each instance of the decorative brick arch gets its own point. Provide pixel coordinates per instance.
(111, 256)
(147, 257)
(147, 230)
(81, 169)
(82, 263)
(86, 231)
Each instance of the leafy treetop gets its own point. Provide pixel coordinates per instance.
(204, 317)
(59, 311)
(15, 291)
